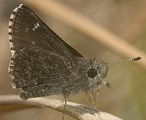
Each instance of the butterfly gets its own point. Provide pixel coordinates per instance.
(42, 64)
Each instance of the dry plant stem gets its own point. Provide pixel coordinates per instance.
(78, 111)
(95, 31)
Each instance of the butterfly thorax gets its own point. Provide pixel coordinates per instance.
(90, 73)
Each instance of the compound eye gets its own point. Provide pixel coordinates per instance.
(92, 72)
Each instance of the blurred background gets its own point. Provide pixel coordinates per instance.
(124, 18)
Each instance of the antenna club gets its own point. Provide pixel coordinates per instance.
(137, 58)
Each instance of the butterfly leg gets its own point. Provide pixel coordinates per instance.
(64, 107)
(87, 100)
(92, 97)
(97, 95)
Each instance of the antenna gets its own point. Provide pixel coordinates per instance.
(132, 59)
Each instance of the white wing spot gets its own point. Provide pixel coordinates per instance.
(13, 84)
(27, 30)
(11, 63)
(12, 52)
(11, 45)
(20, 5)
(17, 8)
(10, 23)
(13, 77)
(35, 26)
(33, 42)
(12, 16)
(9, 30)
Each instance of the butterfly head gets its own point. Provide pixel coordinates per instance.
(97, 72)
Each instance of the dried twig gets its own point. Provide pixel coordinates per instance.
(78, 111)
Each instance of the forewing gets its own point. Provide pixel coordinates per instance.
(27, 30)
